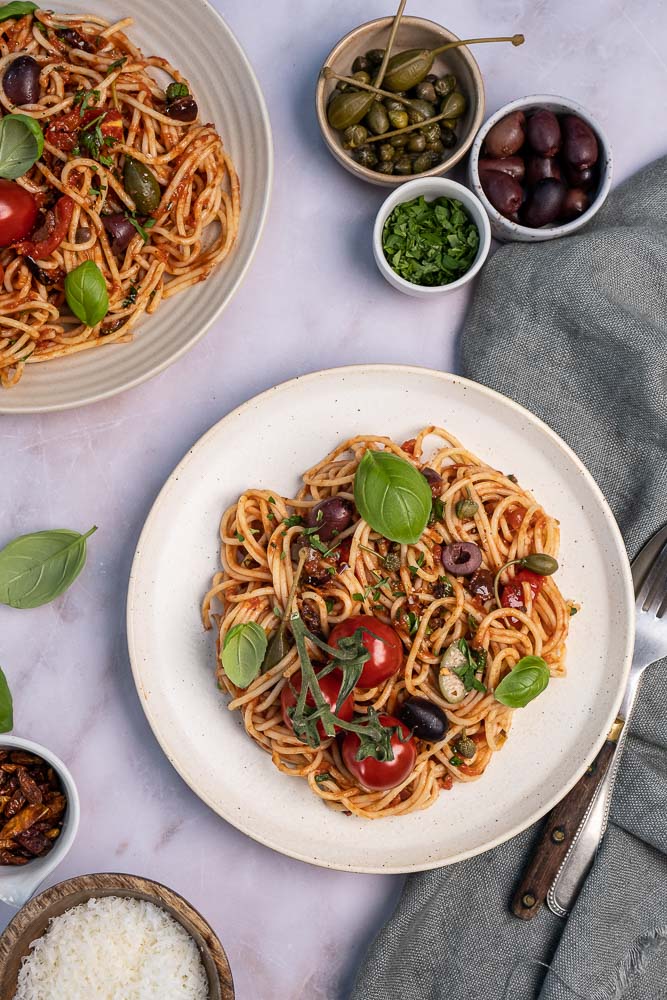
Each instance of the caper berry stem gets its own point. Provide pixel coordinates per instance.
(496, 579)
(330, 74)
(379, 77)
(537, 562)
(514, 39)
(402, 131)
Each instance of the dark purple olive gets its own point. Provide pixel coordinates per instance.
(74, 40)
(503, 191)
(543, 204)
(543, 133)
(21, 81)
(584, 179)
(434, 481)
(120, 229)
(513, 166)
(461, 558)
(540, 168)
(574, 204)
(426, 720)
(507, 136)
(580, 145)
(183, 110)
(330, 517)
(481, 584)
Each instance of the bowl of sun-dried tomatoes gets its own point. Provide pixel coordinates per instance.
(39, 816)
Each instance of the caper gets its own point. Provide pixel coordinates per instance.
(361, 64)
(377, 119)
(399, 141)
(425, 91)
(415, 116)
(142, 186)
(422, 162)
(453, 106)
(353, 136)
(417, 142)
(386, 152)
(398, 119)
(362, 76)
(445, 86)
(466, 509)
(540, 563)
(392, 105)
(447, 136)
(465, 747)
(435, 147)
(431, 78)
(341, 86)
(375, 56)
(365, 155)
(403, 165)
(385, 168)
(432, 132)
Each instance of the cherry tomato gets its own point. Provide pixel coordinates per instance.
(64, 131)
(512, 593)
(378, 775)
(330, 688)
(18, 212)
(53, 232)
(384, 645)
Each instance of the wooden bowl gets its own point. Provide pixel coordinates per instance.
(32, 921)
(413, 32)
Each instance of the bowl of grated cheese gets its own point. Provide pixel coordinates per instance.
(110, 936)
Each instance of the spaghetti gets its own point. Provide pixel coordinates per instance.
(101, 102)
(431, 610)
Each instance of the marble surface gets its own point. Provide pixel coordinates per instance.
(313, 299)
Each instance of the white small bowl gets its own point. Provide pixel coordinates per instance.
(504, 229)
(17, 885)
(430, 188)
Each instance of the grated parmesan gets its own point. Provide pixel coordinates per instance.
(113, 948)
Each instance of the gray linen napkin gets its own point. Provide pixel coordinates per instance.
(576, 331)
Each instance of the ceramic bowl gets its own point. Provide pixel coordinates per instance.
(18, 884)
(32, 921)
(430, 188)
(413, 32)
(504, 229)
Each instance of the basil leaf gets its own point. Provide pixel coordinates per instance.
(86, 292)
(243, 652)
(21, 145)
(392, 496)
(526, 681)
(35, 569)
(16, 9)
(6, 706)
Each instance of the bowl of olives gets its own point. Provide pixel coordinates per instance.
(541, 166)
(418, 85)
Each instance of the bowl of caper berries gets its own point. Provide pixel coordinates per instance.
(387, 117)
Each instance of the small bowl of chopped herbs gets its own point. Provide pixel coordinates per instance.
(431, 235)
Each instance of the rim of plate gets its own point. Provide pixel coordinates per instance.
(628, 589)
(161, 366)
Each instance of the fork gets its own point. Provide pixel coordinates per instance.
(573, 829)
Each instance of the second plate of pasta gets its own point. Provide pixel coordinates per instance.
(415, 602)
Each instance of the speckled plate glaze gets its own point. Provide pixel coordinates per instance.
(268, 442)
(194, 38)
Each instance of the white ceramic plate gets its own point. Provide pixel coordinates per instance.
(268, 442)
(194, 38)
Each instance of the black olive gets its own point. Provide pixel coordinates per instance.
(120, 229)
(481, 584)
(21, 81)
(434, 481)
(73, 40)
(426, 720)
(330, 517)
(183, 110)
(461, 558)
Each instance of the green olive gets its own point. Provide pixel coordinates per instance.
(425, 91)
(403, 165)
(375, 56)
(399, 119)
(365, 155)
(362, 76)
(386, 152)
(353, 136)
(445, 86)
(361, 64)
(348, 108)
(417, 142)
(453, 106)
(142, 186)
(540, 563)
(399, 141)
(377, 119)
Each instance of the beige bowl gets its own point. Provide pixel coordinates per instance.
(413, 32)
(32, 921)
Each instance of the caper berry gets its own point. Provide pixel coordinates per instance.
(377, 119)
(447, 136)
(445, 85)
(425, 91)
(403, 165)
(353, 136)
(540, 563)
(422, 162)
(399, 119)
(417, 142)
(375, 56)
(399, 141)
(385, 168)
(365, 155)
(361, 64)
(362, 76)
(386, 152)
(454, 105)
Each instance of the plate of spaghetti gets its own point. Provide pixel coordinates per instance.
(426, 623)
(135, 171)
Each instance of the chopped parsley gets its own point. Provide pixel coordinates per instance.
(456, 760)
(413, 623)
(322, 777)
(420, 562)
(430, 242)
(475, 662)
(437, 511)
(240, 537)
(141, 227)
(117, 64)
(131, 297)
(84, 98)
(291, 522)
